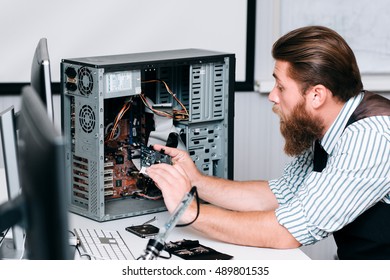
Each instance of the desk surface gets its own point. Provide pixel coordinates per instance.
(137, 244)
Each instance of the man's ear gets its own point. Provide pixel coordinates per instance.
(318, 95)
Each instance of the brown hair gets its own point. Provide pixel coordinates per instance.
(319, 55)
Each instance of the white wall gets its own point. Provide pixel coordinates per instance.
(92, 28)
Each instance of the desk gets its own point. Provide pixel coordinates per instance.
(138, 245)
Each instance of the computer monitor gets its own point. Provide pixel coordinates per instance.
(41, 76)
(41, 169)
(42, 205)
(12, 247)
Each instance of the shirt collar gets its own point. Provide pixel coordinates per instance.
(336, 129)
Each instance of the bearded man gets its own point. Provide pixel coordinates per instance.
(339, 180)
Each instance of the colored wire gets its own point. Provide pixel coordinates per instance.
(119, 116)
(177, 114)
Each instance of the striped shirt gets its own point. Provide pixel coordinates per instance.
(312, 205)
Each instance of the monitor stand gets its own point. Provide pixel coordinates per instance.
(10, 251)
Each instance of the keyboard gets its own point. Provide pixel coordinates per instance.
(103, 244)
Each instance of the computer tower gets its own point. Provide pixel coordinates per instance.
(114, 107)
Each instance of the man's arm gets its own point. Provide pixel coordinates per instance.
(249, 226)
(233, 195)
(237, 195)
(257, 228)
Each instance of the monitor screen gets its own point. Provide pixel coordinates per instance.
(12, 247)
(41, 76)
(41, 169)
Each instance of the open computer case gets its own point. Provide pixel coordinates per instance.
(114, 107)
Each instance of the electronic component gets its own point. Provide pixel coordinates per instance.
(145, 230)
(193, 250)
(149, 156)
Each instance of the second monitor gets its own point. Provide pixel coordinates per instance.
(41, 76)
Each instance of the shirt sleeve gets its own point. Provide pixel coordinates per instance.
(291, 213)
(286, 187)
(355, 178)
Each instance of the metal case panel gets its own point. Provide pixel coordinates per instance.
(105, 121)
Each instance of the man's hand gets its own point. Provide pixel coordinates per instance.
(183, 160)
(172, 181)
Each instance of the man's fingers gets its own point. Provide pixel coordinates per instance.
(173, 152)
